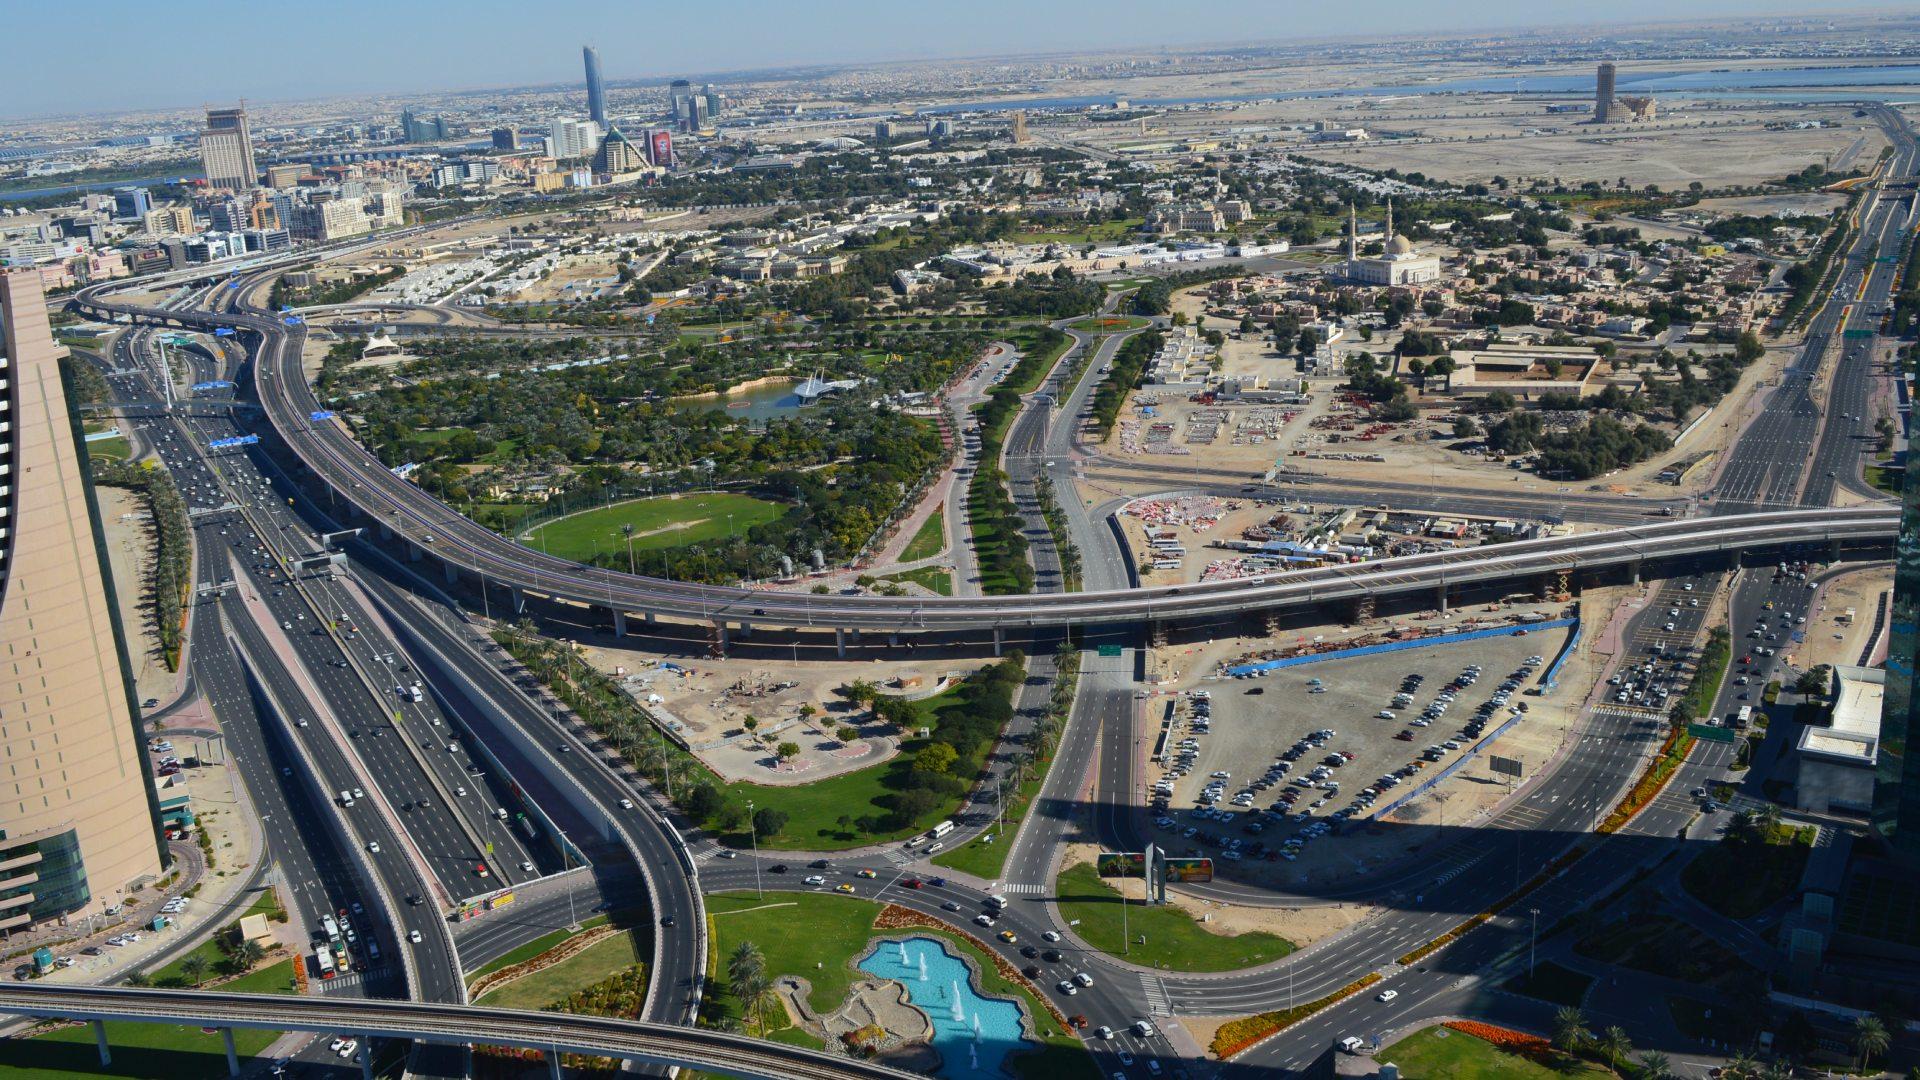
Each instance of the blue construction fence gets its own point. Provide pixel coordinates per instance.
(1452, 767)
(1552, 678)
(1397, 646)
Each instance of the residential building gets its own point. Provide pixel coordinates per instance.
(285, 175)
(574, 138)
(169, 221)
(226, 150)
(76, 807)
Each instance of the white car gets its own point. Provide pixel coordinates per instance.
(816, 879)
(413, 936)
(1051, 935)
(373, 847)
(626, 804)
(1386, 995)
(347, 1048)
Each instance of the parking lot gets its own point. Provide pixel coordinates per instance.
(1280, 777)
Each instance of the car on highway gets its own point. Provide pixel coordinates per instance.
(1386, 995)
(414, 936)
(816, 879)
(1066, 987)
(373, 847)
(1008, 937)
(949, 906)
(867, 874)
(844, 888)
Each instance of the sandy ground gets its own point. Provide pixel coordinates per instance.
(1834, 636)
(710, 701)
(576, 278)
(1300, 925)
(130, 552)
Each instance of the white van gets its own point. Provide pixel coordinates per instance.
(346, 798)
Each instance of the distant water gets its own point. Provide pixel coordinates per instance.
(1780, 80)
(758, 404)
(103, 185)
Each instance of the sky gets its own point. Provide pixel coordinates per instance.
(124, 55)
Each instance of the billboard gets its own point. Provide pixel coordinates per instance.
(1197, 871)
(660, 148)
(1133, 864)
(1505, 765)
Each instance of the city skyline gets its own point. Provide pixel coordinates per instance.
(440, 56)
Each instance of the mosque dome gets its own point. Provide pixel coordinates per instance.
(1399, 246)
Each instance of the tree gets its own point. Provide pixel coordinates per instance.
(860, 692)
(1811, 681)
(846, 733)
(935, 758)
(1655, 1065)
(1614, 1045)
(194, 967)
(751, 723)
(787, 751)
(1569, 1028)
(703, 802)
(768, 822)
(1870, 1038)
(1464, 427)
(246, 954)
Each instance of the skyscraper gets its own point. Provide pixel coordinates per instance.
(226, 149)
(596, 92)
(1603, 93)
(131, 203)
(679, 92)
(1896, 787)
(77, 815)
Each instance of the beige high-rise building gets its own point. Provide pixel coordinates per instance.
(226, 150)
(77, 815)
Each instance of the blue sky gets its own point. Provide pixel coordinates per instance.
(122, 55)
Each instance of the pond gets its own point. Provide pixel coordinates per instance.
(759, 404)
(973, 1034)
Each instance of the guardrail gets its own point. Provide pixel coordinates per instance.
(648, 1043)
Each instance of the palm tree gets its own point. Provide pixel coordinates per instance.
(194, 967)
(1869, 1038)
(1776, 1070)
(745, 963)
(1569, 1028)
(1769, 817)
(1615, 1044)
(1655, 1066)
(1741, 1066)
(246, 954)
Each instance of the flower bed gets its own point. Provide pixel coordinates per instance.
(493, 980)
(1236, 1036)
(1672, 752)
(1507, 1039)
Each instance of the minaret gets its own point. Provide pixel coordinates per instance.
(1389, 235)
(1353, 233)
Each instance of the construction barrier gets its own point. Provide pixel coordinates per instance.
(1397, 646)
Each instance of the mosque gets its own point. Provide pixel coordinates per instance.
(1400, 265)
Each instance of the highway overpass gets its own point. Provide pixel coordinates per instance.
(395, 506)
(629, 1040)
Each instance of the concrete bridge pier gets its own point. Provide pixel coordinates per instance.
(233, 1056)
(100, 1040)
(519, 599)
(414, 554)
(720, 639)
(893, 639)
(1633, 569)
(386, 533)
(999, 639)
(746, 630)
(652, 619)
(365, 1054)
(1440, 597)
(452, 572)
(1833, 550)
(619, 623)
(840, 642)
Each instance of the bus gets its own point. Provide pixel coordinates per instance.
(1743, 716)
(323, 959)
(940, 830)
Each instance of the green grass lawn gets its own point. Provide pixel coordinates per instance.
(1666, 946)
(1553, 983)
(1439, 1053)
(174, 974)
(1173, 939)
(150, 1051)
(929, 577)
(595, 963)
(1110, 324)
(838, 930)
(116, 448)
(531, 949)
(662, 522)
(931, 540)
(1101, 232)
(1742, 878)
(814, 811)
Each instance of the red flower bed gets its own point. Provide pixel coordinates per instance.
(1507, 1039)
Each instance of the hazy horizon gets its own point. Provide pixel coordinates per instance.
(171, 58)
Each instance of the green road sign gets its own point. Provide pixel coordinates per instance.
(1712, 734)
(1853, 334)
(1109, 650)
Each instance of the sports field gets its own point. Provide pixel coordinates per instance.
(661, 522)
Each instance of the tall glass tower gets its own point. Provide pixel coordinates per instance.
(596, 91)
(1896, 789)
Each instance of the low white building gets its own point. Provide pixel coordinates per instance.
(1836, 763)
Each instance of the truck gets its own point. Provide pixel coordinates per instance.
(323, 961)
(940, 830)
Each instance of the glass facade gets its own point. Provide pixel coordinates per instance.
(1896, 791)
(62, 875)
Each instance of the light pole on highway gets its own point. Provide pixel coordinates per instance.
(628, 529)
(1532, 937)
(753, 831)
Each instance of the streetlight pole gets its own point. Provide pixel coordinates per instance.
(753, 831)
(1532, 937)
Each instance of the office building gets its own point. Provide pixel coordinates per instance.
(574, 138)
(696, 118)
(596, 91)
(1020, 127)
(416, 129)
(227, 215)
(267, 239)
(285, 176)
(679, 92)
(1603, 93)
(226, 150)
(883, 130)
(715, 100)
(169, 221)
(617, 155)
(940, 129)
(1896, 786)
(77, 812)
(504, 138)
(131, 203)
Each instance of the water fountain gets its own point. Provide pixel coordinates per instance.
(923, 967)
(976, 1027)
(959, 1011)
(903, 954)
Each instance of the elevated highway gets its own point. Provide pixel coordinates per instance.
(630, 1040)
(431, 528)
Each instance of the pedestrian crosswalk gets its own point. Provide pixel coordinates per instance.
(1012, 888)
(1155, 991)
